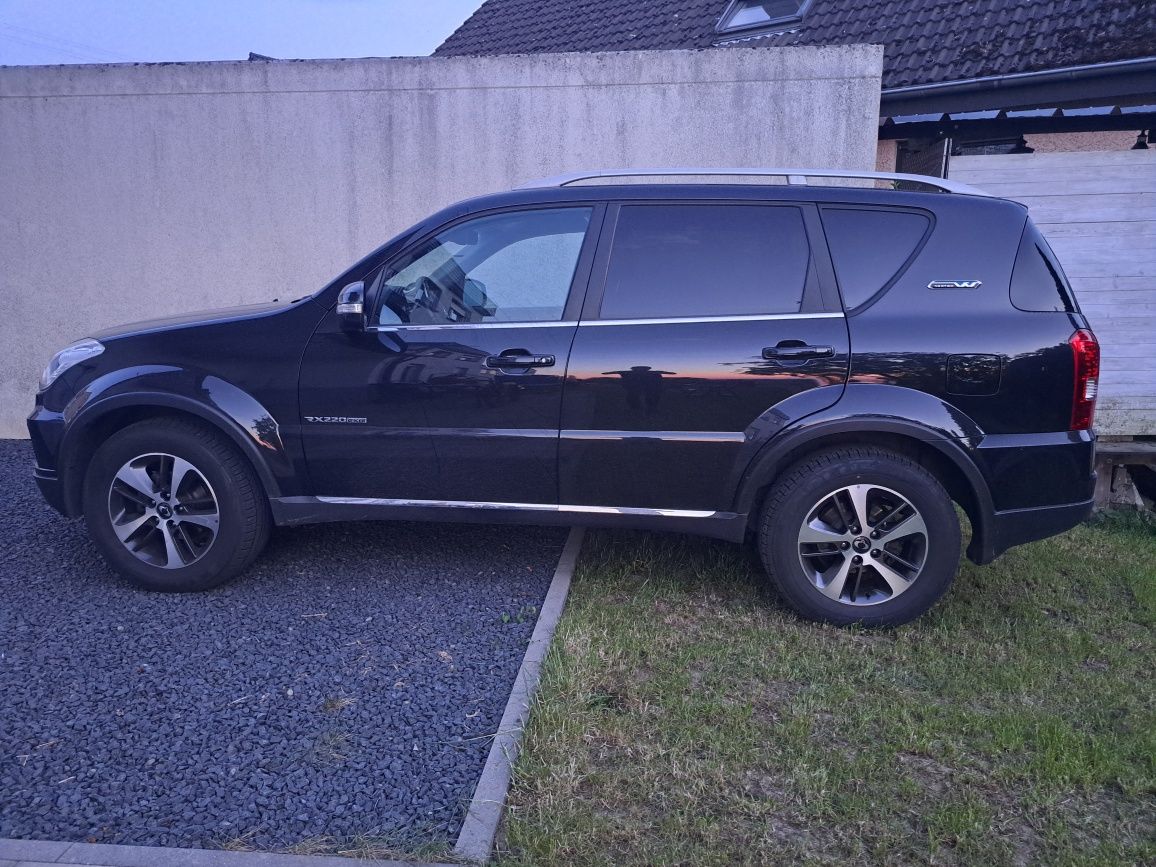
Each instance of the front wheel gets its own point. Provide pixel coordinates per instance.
(173, 506)
(859, 535)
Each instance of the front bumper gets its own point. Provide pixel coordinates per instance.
(46, 430)
(50, 487)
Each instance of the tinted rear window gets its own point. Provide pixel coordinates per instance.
(870, 247)
(1038, 283)
(706, 260)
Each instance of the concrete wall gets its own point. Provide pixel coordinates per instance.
(133, 191)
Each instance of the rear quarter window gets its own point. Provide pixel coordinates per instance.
(1038, 283)
(871, 247)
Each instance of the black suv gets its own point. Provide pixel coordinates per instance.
(820, 369)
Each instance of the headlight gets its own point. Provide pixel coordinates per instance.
(68, 357)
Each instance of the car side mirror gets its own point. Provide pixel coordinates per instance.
(351, 307)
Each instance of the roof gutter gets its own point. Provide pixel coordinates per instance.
(1090, 84)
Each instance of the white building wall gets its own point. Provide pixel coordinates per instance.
(1098, 212)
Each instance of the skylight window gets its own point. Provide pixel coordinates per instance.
(747, 14)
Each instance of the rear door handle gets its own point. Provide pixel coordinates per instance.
(793, 351)
(511, 360)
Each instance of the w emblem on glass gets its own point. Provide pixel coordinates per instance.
(954, 284)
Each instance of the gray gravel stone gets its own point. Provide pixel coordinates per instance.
(344, 686)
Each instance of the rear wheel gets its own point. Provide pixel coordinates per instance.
(859, 535)
(173, 506)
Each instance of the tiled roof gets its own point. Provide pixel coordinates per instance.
(926, 41)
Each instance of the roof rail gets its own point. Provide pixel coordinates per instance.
(793, 176)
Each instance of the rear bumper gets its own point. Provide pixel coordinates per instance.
(1020, 526)
(1039, 470)
(1040, 485)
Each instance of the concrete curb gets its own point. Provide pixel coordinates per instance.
(476, 840)
(35, 853)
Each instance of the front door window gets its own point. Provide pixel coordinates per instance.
(511, 267)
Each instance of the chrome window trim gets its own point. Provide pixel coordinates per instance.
(549, 323)
(526, 507)
(570, 323)
(688, 320)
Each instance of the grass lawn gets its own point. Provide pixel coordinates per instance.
(685, 719)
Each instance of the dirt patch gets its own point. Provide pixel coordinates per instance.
(931, 775)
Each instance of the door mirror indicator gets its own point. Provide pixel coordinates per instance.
(351, 307)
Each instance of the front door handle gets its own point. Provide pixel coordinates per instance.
(796, 350)
(519, 360)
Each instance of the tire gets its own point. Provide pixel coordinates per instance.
(198, 537)
(908, 549)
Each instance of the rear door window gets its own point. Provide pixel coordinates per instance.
(706, 260)
(871, 247)
(1038, 283)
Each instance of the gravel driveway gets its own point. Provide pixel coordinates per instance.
(343, 687)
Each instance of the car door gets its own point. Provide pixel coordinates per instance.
(453, 392)
(702, 318)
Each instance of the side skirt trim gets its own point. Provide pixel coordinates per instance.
(528, 507)
(294, 511)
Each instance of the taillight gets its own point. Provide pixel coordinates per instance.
(1086, 355)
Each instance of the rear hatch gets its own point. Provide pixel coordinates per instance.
(1039, 285)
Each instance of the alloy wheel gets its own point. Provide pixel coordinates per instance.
(163, 510)
(863, 544)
